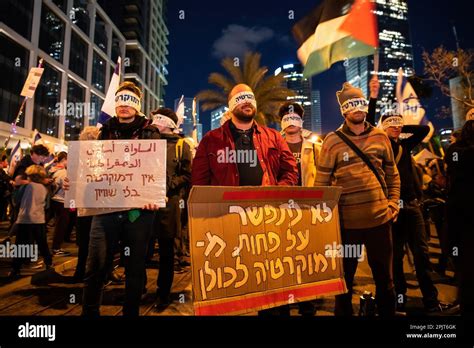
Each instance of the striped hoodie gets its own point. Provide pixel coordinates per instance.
(363, 203)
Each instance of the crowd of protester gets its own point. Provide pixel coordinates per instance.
(389, 202)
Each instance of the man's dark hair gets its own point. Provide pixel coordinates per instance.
(166, 112)
(62, 155)
(291, 107)
(40, 150)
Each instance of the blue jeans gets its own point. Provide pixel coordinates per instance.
(105, 231)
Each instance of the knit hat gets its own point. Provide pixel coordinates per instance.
(351, 98)
(129, 94)
(391, 120)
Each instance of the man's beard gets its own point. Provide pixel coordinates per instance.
(243, 117)
(355, 120)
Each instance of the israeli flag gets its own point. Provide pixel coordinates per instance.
(410, 106)
(108, 108)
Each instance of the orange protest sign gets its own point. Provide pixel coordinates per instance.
(254, 248)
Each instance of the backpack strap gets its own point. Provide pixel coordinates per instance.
(179, 149)
(364, 158)
(399, 155)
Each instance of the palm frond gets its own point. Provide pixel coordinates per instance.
(270, 83)
(256, 77)
(234, 71)
(251, 64)
(270, 91)
(209, 96)
(221, 81)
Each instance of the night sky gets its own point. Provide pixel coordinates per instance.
(213, 29)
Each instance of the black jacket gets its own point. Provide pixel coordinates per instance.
(460, 161)
(410, 187)
(6, 187)
(178, 170)
(178, 180)
(140, 128)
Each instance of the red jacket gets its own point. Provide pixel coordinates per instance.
(277, 161)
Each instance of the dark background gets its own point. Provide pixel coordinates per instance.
(195, 47)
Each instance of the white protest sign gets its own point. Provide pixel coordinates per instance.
(116, 174)
(32, 82)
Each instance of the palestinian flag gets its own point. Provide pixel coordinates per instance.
(334, 31)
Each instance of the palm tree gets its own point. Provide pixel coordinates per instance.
(269, 91)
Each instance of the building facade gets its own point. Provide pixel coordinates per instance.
(216, 116)
(395, 51)
(316, 111)
(143, 25)
(79, 45)
(79, 42)
(188, 123)
(294, 80)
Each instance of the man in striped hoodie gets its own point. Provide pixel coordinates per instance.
(368, 203)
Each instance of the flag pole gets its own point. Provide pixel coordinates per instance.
(14, 123)
(194, 111)
(376, 61)
(20, 112)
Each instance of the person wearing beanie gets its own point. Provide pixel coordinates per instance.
(267, 160)
(368, 202)
(132, 227)
(409, 228)
(129, 122)
(305, 149)
(167, 223)
(302, 143)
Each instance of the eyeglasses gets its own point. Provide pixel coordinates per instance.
(245, 139)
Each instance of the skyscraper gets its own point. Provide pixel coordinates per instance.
(188, 123)
(316, 111)
(142, 23)
(216, 116)
(294, 80)
(395, 51)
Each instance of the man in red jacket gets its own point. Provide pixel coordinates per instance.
(241, 152)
